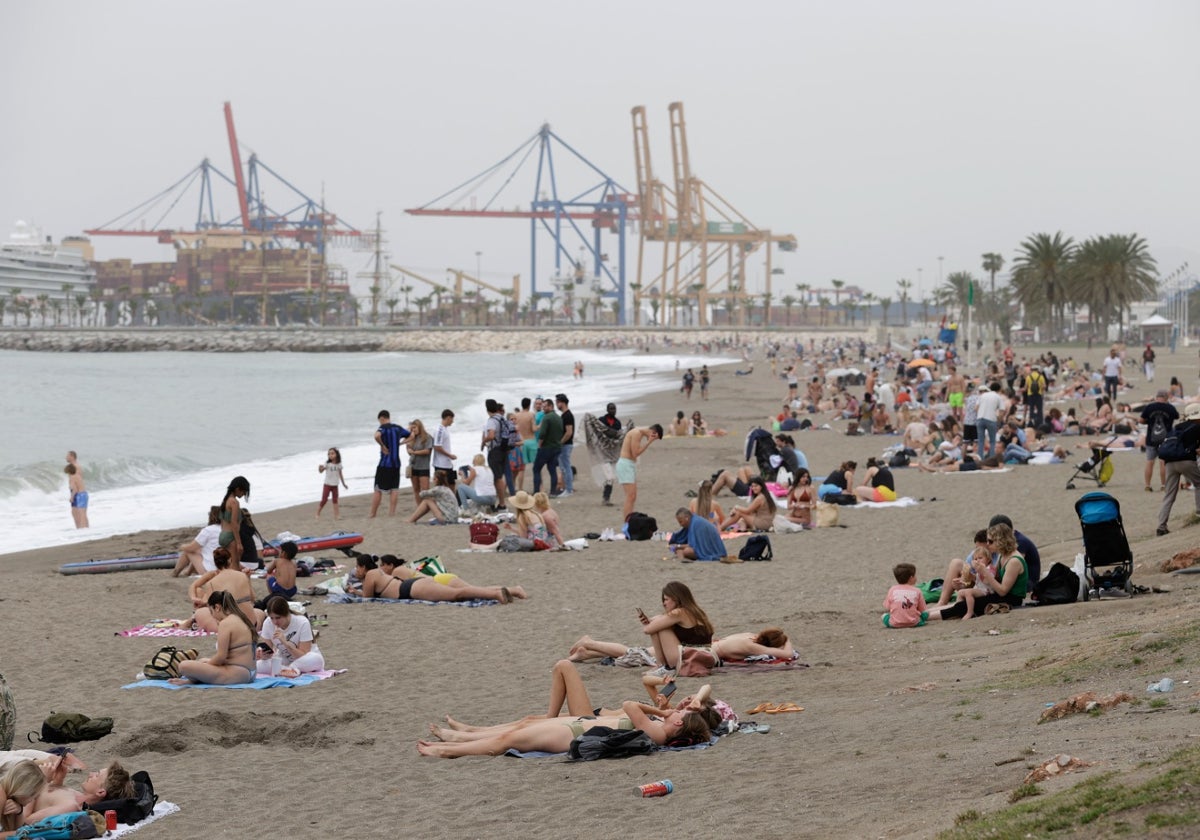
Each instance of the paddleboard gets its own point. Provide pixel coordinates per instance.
(339, 540)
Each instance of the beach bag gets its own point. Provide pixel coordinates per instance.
(640, 526)
(484, 533)
(431, 566)
(1059, 586)
(164, 665)
(77, 825)
(8, 716)
(135, 808)
(827, 515)
(509, 435)
(931, 590)
(1174, 448)
(605, 742)
(842, 499)
(758, 547)
(247, 533)
(69, 727)
(697, 662)
(900, 459)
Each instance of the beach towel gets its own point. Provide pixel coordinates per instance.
(343, 598)
(261, 682)
(541, 754)
(903, 501)
(705, 539)
(982, 472)
(161, 809)
(603, 446)
(761, 665)
(159, 628)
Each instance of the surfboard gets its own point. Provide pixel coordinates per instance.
(339, 540)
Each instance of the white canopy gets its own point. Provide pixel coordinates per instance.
(1156, 320)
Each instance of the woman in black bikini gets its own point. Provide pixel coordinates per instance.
(405, 584)
(233, 663)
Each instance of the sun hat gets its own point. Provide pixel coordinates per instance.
(1192, 412)
(521, 500)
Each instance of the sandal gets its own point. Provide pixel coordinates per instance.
(786, 707)
(997, 609)
(762, 707)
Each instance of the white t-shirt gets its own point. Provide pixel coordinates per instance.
(333, 473)
(209, 539)
(1112, 366)
(485, 483)
(298, 630)
(441, 437)
(990, 403)
(886, 396)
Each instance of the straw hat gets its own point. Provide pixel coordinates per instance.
(521, 500)
(1192, 412)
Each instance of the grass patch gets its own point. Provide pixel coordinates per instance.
(1024, 792)
(1096, 808)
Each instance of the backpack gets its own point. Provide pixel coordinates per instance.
(1175, 448)
(900, 459)
(1034, 383)
(77, 825)
(1159, 429)
(8, 716)
(639, 526)
(164, 665)
(1059, 586)
(509, 436)
(758, 547)
(69, 727)
(248, 532)
(136, 808)
(605, 742)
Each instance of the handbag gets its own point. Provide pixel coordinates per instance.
(484, 533)
(827, 515)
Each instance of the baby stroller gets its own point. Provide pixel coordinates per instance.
(760, 445)
(1098, 467)
(1104, 544)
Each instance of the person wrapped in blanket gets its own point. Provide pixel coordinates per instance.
(691, 722)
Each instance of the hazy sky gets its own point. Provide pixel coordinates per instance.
(883, 134)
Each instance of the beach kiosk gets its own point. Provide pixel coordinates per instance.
(1157, 330)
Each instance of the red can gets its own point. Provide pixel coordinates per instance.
(660, 788)
(110, 818)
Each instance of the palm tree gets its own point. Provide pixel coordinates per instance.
(637, 303)
(1040, 275)
(788, 302)
(766, 303)
(391, 304)
(1110, 272)
(956, 291)
(885, 303)
(803, 289)
(823, 302)
(838, 285)
(904, 285)
(15, 294)
(850, 306)
(992, 262)
(869, 300)
(67, 288)
(42, 305)
(422, 303)
(231, 285)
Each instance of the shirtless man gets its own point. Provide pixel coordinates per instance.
(113, 782)
(636, 441)
(956, 391)
(523, 420)
(79, 496)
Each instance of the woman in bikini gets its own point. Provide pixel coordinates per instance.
(404, 584)
(704, 506)
(231, 517)
(227, 578)
(759, 515)
(676, 728)
(233, 663)
(801, 499)
(682, 623)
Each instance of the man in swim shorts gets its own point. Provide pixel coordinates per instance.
(636, 441)
(79, 496)
(387, 474)
(956, 392)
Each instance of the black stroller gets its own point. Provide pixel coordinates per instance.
(1104, 544)
(1098, 467)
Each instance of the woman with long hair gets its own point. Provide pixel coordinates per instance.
(420, 449)
(705, 506)
(404, 584)
(233, 663)
(231, 517)
(19, 788)
(802, 499)
(439, 501)
(1008, 578)
(226, 578)
(759, 515)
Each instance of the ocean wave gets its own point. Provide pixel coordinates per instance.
(46, 477)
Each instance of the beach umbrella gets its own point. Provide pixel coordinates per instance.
(922, 363)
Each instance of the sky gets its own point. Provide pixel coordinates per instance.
(893, 139)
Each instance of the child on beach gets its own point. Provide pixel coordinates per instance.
(967, 586)
(905, 603)
(332, 468)
(281, 572)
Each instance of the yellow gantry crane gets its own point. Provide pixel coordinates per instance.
(705, 240)
(511, 294)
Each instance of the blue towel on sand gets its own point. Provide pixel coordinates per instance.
(260, 682)
(705, 539)
(343, 598)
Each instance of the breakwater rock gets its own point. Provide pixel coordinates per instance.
(367, 339)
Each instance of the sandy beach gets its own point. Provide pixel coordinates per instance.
(901, 731)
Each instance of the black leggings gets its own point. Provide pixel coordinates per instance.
(959, 608)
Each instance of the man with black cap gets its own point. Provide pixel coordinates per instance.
(568, 444)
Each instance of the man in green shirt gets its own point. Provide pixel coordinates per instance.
(550, 435)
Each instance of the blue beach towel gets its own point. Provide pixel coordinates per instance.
(259, 683)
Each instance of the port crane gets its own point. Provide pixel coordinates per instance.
(511, 294)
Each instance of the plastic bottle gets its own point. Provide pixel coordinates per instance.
(276, 663)
(1162, 686)
(660, 788)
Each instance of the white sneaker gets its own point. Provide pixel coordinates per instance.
(662, 671)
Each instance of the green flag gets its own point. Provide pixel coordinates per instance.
(970, 293)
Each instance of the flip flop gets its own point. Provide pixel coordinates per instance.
(762, 707)
(997, 609)
(751, 727)
(786, 707)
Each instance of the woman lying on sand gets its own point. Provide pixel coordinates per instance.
(405, 584)
(233, 663)
(679, 727)
(683, 622)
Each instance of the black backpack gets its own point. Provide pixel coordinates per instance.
(605, 742)
(135, 808)
(1159, 428)
(641, 526)
(758, 547)
(1059, 586)
(69, 727)
(1180, 444)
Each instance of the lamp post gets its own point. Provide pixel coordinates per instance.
(919, 271)
(479, 265)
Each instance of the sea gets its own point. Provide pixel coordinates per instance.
(159, 435)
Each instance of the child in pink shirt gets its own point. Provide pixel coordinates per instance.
(905, 604)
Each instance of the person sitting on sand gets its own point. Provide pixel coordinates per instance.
(1008, 580)
(967, 585)
(477, 484)
(197, 555)
(227, 578)
(705, 506)
(679, 427)
(838, 481)
(405, 584)
(697, 538)
(292, 636)
(878, 484)
(281, 572)
(111, 782)
(233, 663)
(438, 501)
(801, 499)
(759, 515)
(904, 602)
(682, 623)
(549, 515)
(529, 523)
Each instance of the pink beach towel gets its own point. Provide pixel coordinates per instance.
(157, 629)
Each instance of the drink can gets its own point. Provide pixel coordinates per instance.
(660, 788)
(110, 819)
